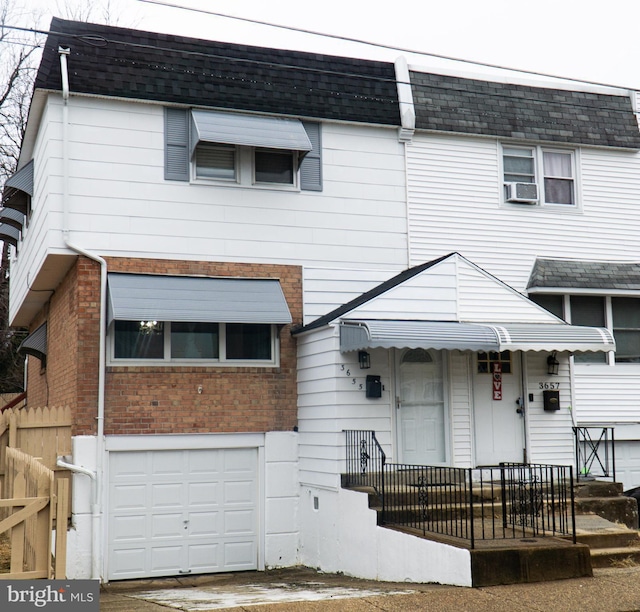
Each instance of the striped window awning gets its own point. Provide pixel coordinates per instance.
(363, 334)
(146, 297)
(35, 344)
(18, 189)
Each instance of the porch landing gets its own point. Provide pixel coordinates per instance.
(517, 560)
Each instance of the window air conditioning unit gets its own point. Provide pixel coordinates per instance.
(523, 193)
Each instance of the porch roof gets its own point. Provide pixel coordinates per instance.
(362, 334)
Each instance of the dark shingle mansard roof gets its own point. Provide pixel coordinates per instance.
(128, 63)
(558, 273)
(469, 106)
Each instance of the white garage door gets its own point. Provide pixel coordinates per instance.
(182, 512)
(628, 463)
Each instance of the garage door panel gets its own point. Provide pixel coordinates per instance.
(166, 559)
(130, 497)
(239, 522)
(204, 557)
(203, 494)
(167, 526)
(166, 495)
(239, 555)
(188, 511)
(204, 524)
(167, 463)
(239, 492)
(129, 528)
(129, 562)
(128, 465)
(203, 462)
(238, 461)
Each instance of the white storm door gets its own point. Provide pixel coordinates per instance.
(499, 427)
(421, 407)
(177, 512)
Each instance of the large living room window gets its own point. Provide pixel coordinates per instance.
(194, 342)
(169, 320)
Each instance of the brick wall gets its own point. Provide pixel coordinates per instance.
(162, 399)
(71, 375)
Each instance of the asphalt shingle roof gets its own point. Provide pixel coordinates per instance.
(469, 106)
(110, 61)
(558, 273)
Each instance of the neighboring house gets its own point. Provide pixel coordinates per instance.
(206, 236)
(541, 187)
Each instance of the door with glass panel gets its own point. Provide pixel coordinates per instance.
(420, 406)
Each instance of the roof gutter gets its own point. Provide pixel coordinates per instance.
(96, 552)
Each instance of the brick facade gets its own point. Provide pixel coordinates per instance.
(161, 399)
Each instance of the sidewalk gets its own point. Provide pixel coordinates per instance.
(304, 590)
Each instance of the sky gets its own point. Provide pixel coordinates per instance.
(593, 41)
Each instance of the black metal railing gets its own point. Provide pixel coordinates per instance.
(365, 461)
(595, 453)
(508, 501)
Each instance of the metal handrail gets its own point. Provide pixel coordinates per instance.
(506, 501)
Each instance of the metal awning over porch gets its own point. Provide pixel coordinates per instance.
(364, 334)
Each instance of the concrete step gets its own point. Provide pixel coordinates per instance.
(625, 556)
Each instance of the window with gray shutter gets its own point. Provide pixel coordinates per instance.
(176, 144)
(311, 166)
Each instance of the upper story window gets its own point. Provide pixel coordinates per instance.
(539, 176)
(215, 162)
(233, 148)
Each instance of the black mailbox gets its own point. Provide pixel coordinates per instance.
(374, 386)
(551, 400)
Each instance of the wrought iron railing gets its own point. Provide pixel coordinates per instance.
(595, 453)
(365, 461)
(508, 501)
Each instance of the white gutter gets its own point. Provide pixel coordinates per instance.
(96, 552)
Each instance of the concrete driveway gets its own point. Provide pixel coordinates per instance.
(300, 589)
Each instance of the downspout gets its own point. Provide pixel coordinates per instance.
(96, 546)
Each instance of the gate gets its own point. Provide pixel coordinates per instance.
(37, 505)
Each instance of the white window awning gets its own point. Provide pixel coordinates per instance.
(146, 297)
(249, 130)
(363, 334)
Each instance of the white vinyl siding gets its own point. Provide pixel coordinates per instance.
(550, 432)
(461, 408)
(455, 193)
(331, 398)
(120, 204)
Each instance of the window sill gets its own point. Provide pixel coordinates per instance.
(563, 209)
(251, 186)
(122, 366)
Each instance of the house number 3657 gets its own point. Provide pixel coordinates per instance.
(549, 385)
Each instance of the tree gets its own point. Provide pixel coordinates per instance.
(19, 52)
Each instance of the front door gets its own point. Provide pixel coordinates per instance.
(420, 407)
(499, 427)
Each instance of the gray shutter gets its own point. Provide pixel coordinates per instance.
(176, 144)
(311, 166)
